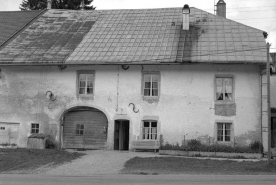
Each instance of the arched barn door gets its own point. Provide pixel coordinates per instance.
(85, 127)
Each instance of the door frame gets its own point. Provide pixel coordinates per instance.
(122, 134)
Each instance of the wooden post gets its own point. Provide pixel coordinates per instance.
(268, 105)
(209, 140)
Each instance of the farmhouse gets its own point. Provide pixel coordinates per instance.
(124, 79)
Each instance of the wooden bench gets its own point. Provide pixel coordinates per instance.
(146, 144)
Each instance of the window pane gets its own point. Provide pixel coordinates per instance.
(228, 126)
(77, 132)
(154, 130)
(82, 83)
(155, 85)
(89, 77)
(146, 92)
(77, 126)
(147, 85)
(155, 92)
(228, 96)
(220, 126)
(81, 126)
(147, 78)
(82, 91)
(81, 132)
(220, 138)
(227, 138)
(146, 124)
(155, 78)
(219, 96)
(82, 77)
(89, 90)
(153, 124)
(89, 84)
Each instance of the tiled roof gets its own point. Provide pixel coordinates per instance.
(11, 22)
(135, 36)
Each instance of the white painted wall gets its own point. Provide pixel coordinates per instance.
(185, 106)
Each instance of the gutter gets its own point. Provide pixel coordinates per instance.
(127, 63)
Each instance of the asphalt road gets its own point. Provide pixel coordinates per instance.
(26, 179)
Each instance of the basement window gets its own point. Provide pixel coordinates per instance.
(149, 130)
(224, 132)
(34, 128)
(85, 84)
(224, 88)
(80, 129)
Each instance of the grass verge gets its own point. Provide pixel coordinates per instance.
(179, 165)
(25, 160)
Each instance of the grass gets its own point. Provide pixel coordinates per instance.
(180, 165)
(23, 159)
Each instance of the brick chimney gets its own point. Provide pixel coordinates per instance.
(186, 15)
(49, 4)
(221, 8)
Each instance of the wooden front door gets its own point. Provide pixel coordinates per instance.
(85, 128)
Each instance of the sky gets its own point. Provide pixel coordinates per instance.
(260, 14)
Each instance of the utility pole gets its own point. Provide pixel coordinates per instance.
(268, 105)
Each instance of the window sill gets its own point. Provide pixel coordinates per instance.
(86, 96)
(224, 102)
(151, 99)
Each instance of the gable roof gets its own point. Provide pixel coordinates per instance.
(13, 21)
(142, 36)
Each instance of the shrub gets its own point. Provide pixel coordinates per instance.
(195, 145)
(50, 144)
(257, 146)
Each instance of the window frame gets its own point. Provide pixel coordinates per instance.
(79, 72)
(233, 88)
(36, 128)
(158, 84)
(150, 129)
(83, 130)
(231, 131)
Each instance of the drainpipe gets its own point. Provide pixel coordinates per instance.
(49, 4)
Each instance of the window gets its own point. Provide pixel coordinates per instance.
(224, 88)
(85, 82)
(2, 128)
(34, 128)
(223, 131)
(151, 87)
(79, 129)
(149, 130)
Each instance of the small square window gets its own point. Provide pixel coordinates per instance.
(149, 130)
(85, 84)
(34, 128)
(2, 128)
(224, 88)
(224, 132)
(80, 129)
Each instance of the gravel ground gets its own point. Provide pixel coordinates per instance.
(97, 162)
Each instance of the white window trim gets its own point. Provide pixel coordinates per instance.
(77, 84)
(143, 85)
(157, 130)
(233, 88)
(231, 131)
(35, 128)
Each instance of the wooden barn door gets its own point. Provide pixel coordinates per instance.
(85, 128)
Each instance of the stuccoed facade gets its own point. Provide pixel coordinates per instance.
(186, 105)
